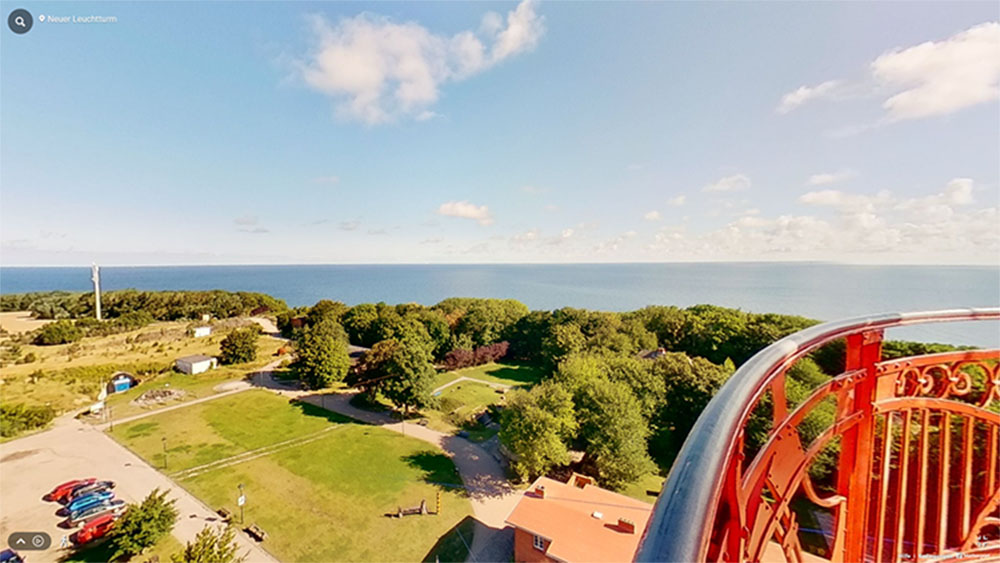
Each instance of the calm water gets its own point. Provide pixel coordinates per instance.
(821, 291)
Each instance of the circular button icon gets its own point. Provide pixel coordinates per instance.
(19, 21)
(38, 541)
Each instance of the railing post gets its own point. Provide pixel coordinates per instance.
(864, 350)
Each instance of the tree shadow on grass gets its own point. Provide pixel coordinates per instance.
(438, 469)
(453, 546)
(313, 410)
(521, 373)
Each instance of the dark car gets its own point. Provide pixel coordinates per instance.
(81, 490)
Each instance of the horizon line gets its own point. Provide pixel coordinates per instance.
(609, 263)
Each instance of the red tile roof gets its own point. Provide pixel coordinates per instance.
(581, 523)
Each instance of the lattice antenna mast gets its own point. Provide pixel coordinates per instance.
(96, 277)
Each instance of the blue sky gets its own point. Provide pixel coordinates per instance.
(221, 133)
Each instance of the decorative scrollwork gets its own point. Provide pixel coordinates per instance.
(972, 377)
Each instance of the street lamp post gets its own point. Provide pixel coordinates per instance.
(164, 438)
(241, 501)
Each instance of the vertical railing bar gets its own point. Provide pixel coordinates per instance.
(944, 442)
(904, 467)
(922, 471)
(966, 496)
(883, 495)
(991, 473)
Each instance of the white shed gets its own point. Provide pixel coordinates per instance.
(198, 363)
(200, 331)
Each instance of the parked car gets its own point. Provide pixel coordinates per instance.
(89, 499)
(116, 506)
(81, 490)
(95, 528)
(63, 490)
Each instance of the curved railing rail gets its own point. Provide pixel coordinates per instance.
(897, 423)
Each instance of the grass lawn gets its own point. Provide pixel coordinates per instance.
(323, 500)
(640, 489)
(506, 373)
(99, 553)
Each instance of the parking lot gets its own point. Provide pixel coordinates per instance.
(30, 467)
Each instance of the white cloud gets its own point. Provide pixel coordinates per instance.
(942, 77)
(803, 94)
(734, 183)
(845, 201)
(349, 225)
(879, 227)
(528, 189)
(929, 79)
(326, 179)
(567, 233)
(827, 178)
(378, 70)
(426, 115)
(526, 236)
(466, 210)
(652, 215)
(676, 201)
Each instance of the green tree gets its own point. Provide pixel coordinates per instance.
(690, 385)
(142, 525)
(211, 545)
(322, 354)
(409, 378)
(562, 340)
(59, 332)
(614, 431)
(240, 345)
(536, 426)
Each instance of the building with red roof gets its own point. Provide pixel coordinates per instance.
(576, 521)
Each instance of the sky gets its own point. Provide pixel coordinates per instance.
(450, 132)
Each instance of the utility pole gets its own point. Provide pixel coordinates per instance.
(95, 276)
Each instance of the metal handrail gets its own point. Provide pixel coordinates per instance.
(683, 516)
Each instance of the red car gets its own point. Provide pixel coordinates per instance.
(60, 492)
(95, 528)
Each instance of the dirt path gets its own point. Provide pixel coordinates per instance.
(31, 466)
(492, 384)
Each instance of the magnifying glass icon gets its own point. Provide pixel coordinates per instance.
(19, 21)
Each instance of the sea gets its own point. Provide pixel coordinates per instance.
(823, 291)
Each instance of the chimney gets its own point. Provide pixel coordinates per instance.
(540, 491)
(625, 525)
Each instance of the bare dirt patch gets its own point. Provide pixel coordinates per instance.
(18, 322)
(155, 397)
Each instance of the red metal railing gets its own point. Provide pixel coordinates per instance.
(915, 443)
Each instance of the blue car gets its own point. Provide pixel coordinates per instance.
(88, 500)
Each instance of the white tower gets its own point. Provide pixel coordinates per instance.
(96, 277)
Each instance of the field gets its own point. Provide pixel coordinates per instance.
(319, 484)
(69, 376)
(507, 374)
